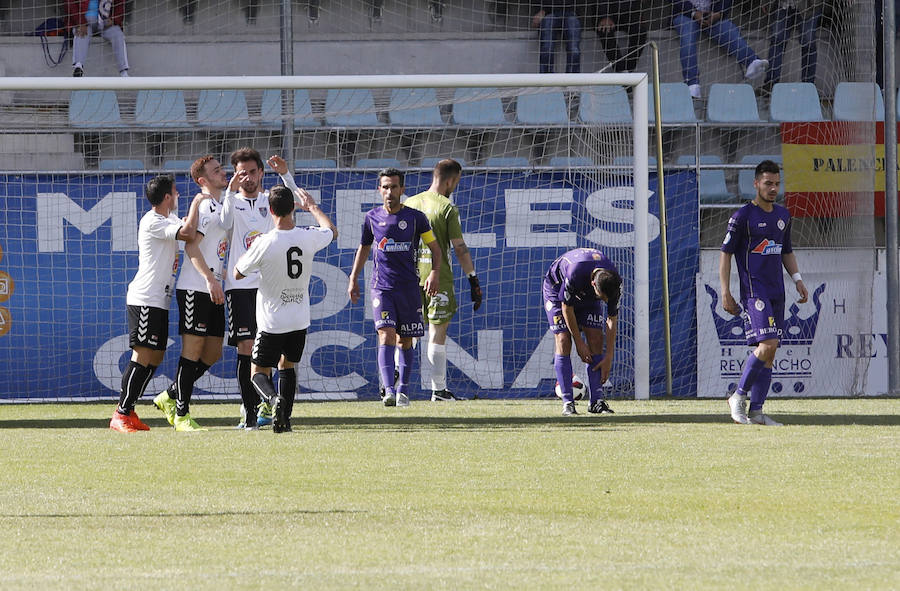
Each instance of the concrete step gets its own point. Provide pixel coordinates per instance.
(46, 161)
(36, 143)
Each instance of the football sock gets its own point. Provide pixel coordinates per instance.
(405, 369)
(248, 393)
(134, 382)
(751, 370)
(262, 384)
(563, 366)
(287, 387)
(185, 377)
(594, 383)
(200, 367)
(437, 355)
(760, 388)
(386, 366)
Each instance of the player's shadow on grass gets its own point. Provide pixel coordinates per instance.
(408, 422)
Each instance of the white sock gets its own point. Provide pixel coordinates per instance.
(437, 355)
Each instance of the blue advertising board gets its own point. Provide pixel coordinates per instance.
(69, 249)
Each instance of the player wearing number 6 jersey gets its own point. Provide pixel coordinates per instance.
(150, 293)
(283, 259)
(201, 301)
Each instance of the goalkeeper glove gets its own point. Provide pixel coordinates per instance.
(475, 291)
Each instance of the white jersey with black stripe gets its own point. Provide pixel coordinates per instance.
(213, 247)
(154, 282)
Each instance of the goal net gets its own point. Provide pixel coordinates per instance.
(549, 164)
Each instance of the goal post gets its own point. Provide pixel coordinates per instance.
(572, 190)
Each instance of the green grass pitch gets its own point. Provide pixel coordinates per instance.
(476, 494)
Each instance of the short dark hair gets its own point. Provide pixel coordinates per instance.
(766, 166)
(610, 283)
(447, 169)
(198, 166)
(159, 187)
(390, 171)
(281, 200)
(245, 154)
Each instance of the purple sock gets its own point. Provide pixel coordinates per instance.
(563, 366)
(595, 386)
(386, 366)
(404, 369)
(752, 367)
(760, 388)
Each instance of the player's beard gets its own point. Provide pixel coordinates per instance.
(250, 187)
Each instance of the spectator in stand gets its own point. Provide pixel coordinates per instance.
(92, 17)
(625, 15)
(792, 16)
(554, 19)
(693, 17)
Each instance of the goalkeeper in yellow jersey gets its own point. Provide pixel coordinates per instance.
(441, 307)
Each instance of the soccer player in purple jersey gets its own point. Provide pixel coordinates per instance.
(572, 290)
(395, 230)
(759, 237)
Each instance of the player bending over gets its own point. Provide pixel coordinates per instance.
(283, 257)
(573, 289)
(759, 235)
(395, 230)
(201, 301)
(150, 293)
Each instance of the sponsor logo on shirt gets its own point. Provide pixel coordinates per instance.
(767, 247)
(222, 248)
(389, 245)
(292, 296)
(250, 236)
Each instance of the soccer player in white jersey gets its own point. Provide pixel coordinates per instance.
(201, 301)
(283, 259)
(150, 293)
(245, 215)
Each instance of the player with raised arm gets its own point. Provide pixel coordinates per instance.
(245, 215)
(573, 289)
(150, 293)
(759, 237)
(201, 301)
(439, 309)
(283, 259)
(395, 230)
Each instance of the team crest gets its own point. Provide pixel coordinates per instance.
(780, 224)
(376, 302)
(759, 305)
(548, 305)
(263, 211)
(402, 224)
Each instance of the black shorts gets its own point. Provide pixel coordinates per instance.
(241, 315)
(148, 327)
(269, 347)
(198, 315)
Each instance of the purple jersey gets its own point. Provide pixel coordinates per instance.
(757, 239)
(568, 279)
(396, 242)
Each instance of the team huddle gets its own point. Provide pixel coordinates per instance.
(267, 271)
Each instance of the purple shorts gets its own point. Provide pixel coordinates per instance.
(763, 320)
(400, 309)
(589, 315)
